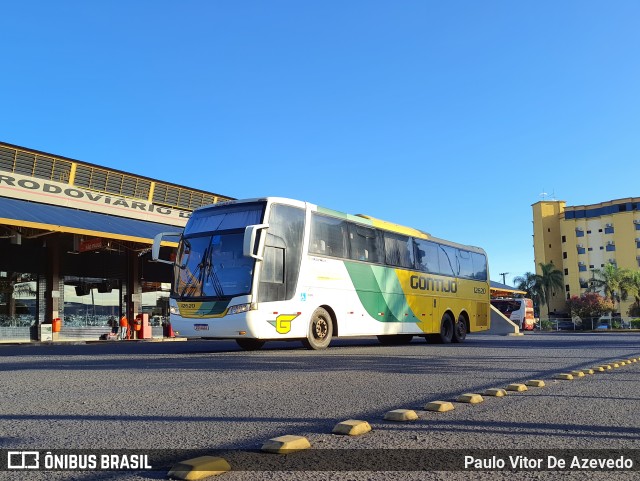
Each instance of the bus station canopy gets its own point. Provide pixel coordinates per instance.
(52, 218)
(503, 290)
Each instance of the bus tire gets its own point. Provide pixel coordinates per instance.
(395, 339)
(250, 344)
(320, 330)
(446, 331)
(460, 330)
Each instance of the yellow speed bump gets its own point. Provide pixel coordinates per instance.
(565, 376)
(517, 387)
(587, 371)
(199, 468)
(286, 444)
(614, 364)
(606, 367)
(401, 415)
(439, 406)
(535, 383)
(599, 369)
(470, 398)
(495, 392)
(633, 359)
(577, 373)
(352, 427)
(622, 363)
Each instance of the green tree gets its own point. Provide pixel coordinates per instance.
(548, 281)
(612, 281)
(631, 286)
(528, 282)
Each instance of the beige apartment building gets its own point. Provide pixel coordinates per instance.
(578, 239)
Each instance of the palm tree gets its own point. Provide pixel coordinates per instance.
(548, 281)
(631, 287)
(612, 282)
(528, 282)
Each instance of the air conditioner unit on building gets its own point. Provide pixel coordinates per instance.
(609, 225)
(610, 243)
(580, 246)
(636, 221)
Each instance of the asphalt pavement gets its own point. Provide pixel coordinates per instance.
(210, 396)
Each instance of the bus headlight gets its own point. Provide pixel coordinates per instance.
(173, 310)
(241, 308)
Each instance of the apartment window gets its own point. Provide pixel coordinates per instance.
(582, 268)
(590, 249)
(611, 247)
(564, 255)
(564, 238)
(588, 232)
(638, 244)
(591, 266)
(566, 272)
(549, 230)
(581, 250)
(608, 230)
(549, 246)
(566, 287)
(638, 226)
(601, 248)
(579, 233)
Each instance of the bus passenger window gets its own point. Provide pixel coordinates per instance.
(427, 256)
(398, 250)
(328, 236)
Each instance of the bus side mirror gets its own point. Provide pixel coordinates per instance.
(155, 248)
(249, 244)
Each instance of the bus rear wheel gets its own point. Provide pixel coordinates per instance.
(446, 331)
(320, 330)
(250, 344)
(460, 330)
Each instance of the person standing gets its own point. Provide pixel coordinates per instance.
(124, 325)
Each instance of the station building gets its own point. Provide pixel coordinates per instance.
(581, 238)
(75, 242)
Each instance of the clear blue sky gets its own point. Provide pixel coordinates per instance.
(448, 116)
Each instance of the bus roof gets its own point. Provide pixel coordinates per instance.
(358, 218)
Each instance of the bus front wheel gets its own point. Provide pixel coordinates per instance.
(320, 330)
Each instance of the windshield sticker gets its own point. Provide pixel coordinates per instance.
(283, 323)
(303, 296)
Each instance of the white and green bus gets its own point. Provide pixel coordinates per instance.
(278, 269)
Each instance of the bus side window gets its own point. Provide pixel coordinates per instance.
(328, 236)
(479, 266)
(466, 264)
(398, 250)
(363, 243)
(427, 256)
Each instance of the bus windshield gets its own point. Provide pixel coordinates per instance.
(210, 263)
